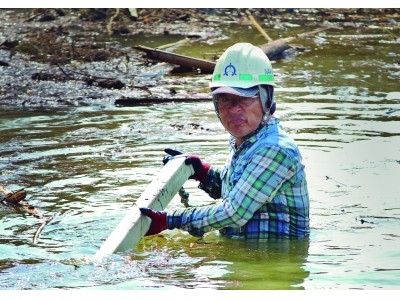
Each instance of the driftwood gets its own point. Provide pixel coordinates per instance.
(10, 196)
(257, 26)
(177, 59)
(110, 22)
(17, 200)
(39, 230)
(185, 40)
(274, 50)
(129, 101)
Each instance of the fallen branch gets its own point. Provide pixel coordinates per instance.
(274, 50)
(39, 230)
(258, 27)
(185, 40)
(109, 25)
(177, 59)
(313, 32)
(17, 200)
(12, 197)
(128, 101)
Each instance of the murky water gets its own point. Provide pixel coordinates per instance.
(340, 101)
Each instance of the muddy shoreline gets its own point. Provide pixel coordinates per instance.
(52, 57)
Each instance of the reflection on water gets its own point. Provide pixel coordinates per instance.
(88, 164)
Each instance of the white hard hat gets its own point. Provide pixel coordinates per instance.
(243, 66)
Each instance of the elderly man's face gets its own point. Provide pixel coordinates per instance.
(239, 115)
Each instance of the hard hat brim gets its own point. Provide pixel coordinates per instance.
(243, 85)
(244, 92)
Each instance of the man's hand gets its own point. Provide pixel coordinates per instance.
(200, 168)
(158, 220)
(171, 153)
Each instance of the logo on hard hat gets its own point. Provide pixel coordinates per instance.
(268, 71)
(231, 68)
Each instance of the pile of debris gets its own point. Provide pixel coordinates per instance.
(65, 47)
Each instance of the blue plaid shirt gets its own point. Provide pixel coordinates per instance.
(263, 189)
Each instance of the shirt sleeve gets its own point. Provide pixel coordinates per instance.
(264, 175)
(212, 184)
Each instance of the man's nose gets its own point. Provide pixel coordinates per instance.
(234, 105)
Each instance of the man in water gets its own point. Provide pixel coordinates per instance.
(263, 185)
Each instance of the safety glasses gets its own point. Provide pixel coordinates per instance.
(225, 102)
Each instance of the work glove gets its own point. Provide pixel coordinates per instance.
(158, 220)
(200, 168)
(171, 153)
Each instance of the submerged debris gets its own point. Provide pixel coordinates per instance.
(17, 200)
(12, 197)
(40, 228)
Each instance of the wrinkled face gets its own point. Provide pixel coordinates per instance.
(239, 115)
